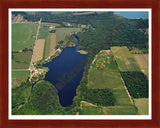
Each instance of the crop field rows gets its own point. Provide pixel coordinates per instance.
(50, 44)
(132, 68)
(21, 60)
(124, 59)
(38, 50)
(142, 60)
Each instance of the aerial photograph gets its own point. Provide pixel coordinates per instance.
(79, 62)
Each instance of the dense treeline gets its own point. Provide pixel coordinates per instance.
(137, 84)
(112, 31)
(102, 97)
(142, 23)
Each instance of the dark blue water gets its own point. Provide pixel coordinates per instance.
(65, 73)
(133, 14)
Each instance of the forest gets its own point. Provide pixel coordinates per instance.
(137, 84)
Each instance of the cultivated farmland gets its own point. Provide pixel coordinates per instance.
(104, 74)
(142, 60)
(38, 50)
(121, 110)
(21, 60)
(124, 59)
(23, 36)
(143, 105)
(50, 44)
(43, 32)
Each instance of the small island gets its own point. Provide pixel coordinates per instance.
(82, 52)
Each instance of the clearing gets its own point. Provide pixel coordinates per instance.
(62, 32)
(23, 36)
(124, 59)
(38, 50)
(17, 19)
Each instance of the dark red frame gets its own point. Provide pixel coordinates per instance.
(6, 4)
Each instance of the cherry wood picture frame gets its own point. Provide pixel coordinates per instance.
(4, 82)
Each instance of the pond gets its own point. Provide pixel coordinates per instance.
(65, 73)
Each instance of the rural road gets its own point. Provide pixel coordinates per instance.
(35, 41)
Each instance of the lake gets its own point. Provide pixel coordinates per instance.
(133, 14)
(65, 73)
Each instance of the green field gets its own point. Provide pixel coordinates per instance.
(91, 110)
(43, 33)
(21, 60)
(62, 32)
(18, 77)
(104, 74)
(20, 74)
(23, 36)
(143, 105)
(48, 47)
(124, 59)
(121, 110)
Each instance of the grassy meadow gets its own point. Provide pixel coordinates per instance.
(91, 110)
(62, 32)
(121, 110)
(20, 74)
(23, 36)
